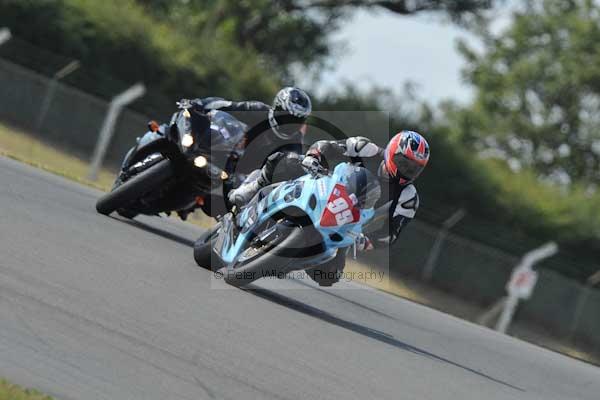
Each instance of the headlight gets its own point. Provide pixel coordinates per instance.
(200, 161)
(187, 140)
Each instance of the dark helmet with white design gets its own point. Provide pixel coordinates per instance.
(290, 109)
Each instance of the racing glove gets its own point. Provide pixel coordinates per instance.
(312, 164)
(360, 146)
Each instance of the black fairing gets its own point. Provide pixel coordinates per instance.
(189, 182)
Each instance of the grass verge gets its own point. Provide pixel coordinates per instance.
(25, 148)
(8, 391)
(20, 146)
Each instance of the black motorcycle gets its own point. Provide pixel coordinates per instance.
(179, 167)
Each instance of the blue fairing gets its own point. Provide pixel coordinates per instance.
(306, 193)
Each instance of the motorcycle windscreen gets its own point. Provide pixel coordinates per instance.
(226, 132)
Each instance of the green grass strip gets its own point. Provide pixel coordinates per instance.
(9, 391)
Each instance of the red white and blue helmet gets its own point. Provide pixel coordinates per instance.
(406, 155)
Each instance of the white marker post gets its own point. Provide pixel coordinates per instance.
(60, 74)
(5, 35)
(522, 282)
(108, 127)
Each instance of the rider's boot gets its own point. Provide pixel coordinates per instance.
(262, 177)
(246, 191)
(330, 272)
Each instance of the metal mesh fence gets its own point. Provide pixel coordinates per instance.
(73, 119)
(561, 311)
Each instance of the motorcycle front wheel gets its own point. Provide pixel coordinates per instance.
(268, 258)
(131, 190)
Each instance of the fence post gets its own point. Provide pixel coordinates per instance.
(108, 126)
(60, 74)
(434, 254)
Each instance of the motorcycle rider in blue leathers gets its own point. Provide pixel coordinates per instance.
(402, 161)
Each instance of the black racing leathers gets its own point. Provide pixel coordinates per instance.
(260, 138)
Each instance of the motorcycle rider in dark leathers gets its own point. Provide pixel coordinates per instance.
(276, 128)
(402, 161)
(280, 125)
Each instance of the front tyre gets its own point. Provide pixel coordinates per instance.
(268, 258)
(131, 190)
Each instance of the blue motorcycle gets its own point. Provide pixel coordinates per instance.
(294, 225)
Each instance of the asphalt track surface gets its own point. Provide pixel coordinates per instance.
(93, 307)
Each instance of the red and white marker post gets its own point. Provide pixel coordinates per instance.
(522, 282)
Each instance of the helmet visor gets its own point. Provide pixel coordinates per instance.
(407, 168)
(284, 124)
